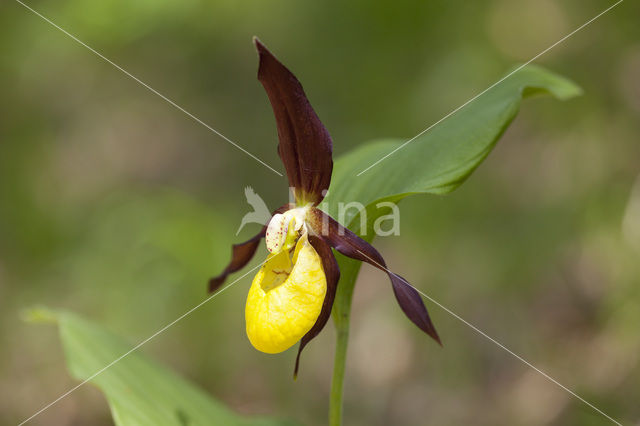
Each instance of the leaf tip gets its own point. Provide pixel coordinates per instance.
(544, 80)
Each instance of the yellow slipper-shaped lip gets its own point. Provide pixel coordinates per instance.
(285, 298)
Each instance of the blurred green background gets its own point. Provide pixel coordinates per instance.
(115, 205)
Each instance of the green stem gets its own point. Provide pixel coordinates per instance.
(337, 383)
(341, 314)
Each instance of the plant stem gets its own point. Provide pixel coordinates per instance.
(341, 315)
(337, 383)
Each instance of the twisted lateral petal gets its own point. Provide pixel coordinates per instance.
(332, 273)
(285, 299)
(305, 145)
(241, 254)
(349, 244)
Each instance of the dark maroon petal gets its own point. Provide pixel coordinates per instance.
(349, 244)
(241, 254)
(412, 305)
(305, 145)
(332, 273)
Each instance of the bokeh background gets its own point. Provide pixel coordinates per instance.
(117, 206)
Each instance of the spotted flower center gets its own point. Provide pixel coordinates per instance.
(284, 229)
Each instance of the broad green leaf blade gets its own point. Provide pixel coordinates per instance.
(441, 159)
(139, 391)
(436, 162)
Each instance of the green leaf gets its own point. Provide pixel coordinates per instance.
(436, 162)
(439, 160)
(139, 391)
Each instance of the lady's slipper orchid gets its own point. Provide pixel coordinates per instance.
(292, 295)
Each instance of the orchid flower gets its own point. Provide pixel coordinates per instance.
(292, 294)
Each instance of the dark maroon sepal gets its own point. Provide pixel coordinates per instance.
(332, 274)
(305, 145)
(349, 244)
